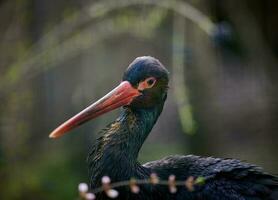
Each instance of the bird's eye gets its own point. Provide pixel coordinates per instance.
(150, 81)
(147, 83)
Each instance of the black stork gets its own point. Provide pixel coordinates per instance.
(142, 94)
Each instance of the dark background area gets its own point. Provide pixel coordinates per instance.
(57, 57)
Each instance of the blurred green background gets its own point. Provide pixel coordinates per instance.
(57, 57)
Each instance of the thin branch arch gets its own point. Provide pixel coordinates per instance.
(44, 52)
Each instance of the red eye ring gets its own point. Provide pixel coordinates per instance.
(150, 82)
(147, 83)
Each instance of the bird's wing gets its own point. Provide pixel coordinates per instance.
(224, 178)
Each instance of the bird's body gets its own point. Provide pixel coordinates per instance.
(225, 179)
(143, 92)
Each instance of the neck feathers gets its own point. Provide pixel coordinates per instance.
(115, 152)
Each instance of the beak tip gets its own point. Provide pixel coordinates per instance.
(52, 135)
(58, 132)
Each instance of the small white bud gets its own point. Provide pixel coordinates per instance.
(90, 196)
(105, 180)
(135, 189)
(173, 190)
(83, 187)
(172, 184)
(154, 178)
(112, 193)
(172, 177)
(189, 183)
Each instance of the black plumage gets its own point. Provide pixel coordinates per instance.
(142, 94)
(115, 153)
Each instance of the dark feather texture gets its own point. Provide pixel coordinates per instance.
(224, 178)
(115, 153)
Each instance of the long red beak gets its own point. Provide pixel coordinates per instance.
(120, 96)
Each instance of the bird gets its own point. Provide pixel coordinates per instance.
(141, 95)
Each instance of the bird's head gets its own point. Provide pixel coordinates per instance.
(144, 85)
(150, 79)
